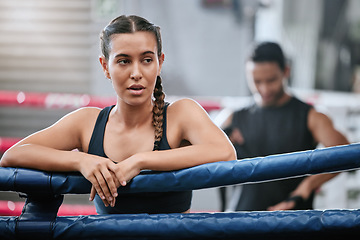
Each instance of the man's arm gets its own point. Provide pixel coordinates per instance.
(325, 133)
(234, 134)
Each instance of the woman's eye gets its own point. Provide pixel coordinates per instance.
(148, 60)
(123, 61)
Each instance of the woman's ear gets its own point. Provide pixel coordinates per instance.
(105, 67)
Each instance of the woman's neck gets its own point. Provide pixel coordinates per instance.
(132, 116)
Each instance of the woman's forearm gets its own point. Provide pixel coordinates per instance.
(185, 157)
(172, 159)
(42, 158)
(94, 168)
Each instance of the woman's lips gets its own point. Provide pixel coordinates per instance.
(136, 89)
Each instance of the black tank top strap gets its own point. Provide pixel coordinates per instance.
(96, 145)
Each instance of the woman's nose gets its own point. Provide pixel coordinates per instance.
(136, 72)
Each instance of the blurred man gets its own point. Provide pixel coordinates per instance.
(277, 122)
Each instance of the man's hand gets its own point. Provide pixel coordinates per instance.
(292, 203)
(284, 205)
(236, 137)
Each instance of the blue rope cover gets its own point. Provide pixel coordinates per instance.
(209, 175)
(238, 225)
(44, 189)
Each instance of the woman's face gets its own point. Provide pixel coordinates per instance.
(133, 66)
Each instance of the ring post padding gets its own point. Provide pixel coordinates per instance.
(38, 216)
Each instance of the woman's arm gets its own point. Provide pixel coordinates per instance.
(51, 150)
(187, 121)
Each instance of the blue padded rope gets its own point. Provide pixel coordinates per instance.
(329, 224)
(240, 225)
(35, 220)
(209, 175)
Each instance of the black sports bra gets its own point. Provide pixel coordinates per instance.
(157, 202)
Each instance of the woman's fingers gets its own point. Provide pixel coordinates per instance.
(105, 183)
(110, 185)
(124, 172)
(92, 193)
(99, 189)
(106, 203)
(116, 180)
(107, 186)
(96, 186)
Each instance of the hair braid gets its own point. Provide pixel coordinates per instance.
(158, 110)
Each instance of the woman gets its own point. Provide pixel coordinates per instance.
(116, 143)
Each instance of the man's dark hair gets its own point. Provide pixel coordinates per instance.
(268, 52)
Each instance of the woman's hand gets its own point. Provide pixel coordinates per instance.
(105, 200)
(97, 170)
(127, 169)
(106, 176)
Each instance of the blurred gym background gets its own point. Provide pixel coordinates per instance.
(52, 46)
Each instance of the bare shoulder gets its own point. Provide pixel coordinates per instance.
(78, 120)
(189, 116)
(87, 111)
(76, 127)
(83, 114)
(185, 105)
(72, 131)
(185, 113)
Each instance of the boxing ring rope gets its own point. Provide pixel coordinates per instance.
(45, 190)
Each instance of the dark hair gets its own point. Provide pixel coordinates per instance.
(268, 52)
(131, 24)
(128, 24)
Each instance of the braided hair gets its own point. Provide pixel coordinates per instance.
(158, 109)
(131, 24)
